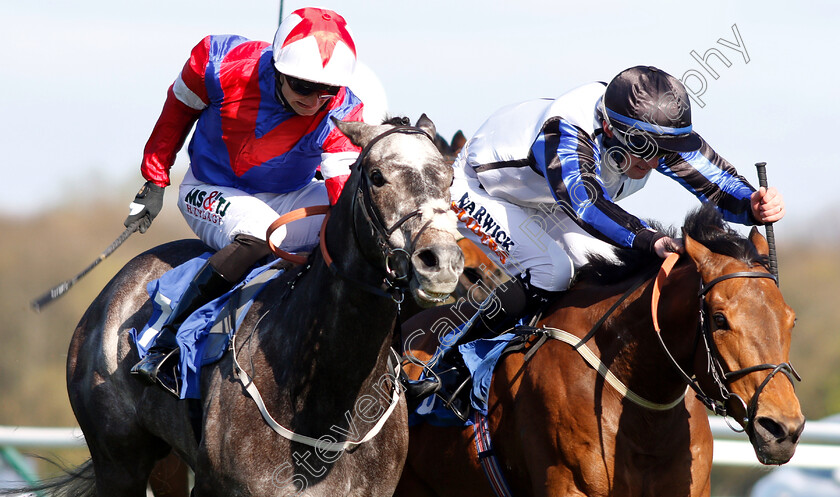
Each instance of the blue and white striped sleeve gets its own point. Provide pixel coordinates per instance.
(570, 161)
(711, 178)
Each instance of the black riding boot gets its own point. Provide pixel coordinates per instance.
(512, 302)
(518, 298)
(160, 364)
(417, 390)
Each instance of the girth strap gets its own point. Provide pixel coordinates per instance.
(590, 357)
(487, 457)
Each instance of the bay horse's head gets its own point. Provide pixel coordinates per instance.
(402, 192)
(747, 325)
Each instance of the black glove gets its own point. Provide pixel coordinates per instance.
(147, 204)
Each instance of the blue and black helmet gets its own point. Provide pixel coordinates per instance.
(648, 108)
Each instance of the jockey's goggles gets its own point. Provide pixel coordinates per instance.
(635, 141)
(305, 88)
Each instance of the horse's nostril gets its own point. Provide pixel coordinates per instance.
(428, 258)
(774, 429)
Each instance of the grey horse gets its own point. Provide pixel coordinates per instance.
(316, 343)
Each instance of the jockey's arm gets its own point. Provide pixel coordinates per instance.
(573, 177)
(711, 178)
(338, 152)
(185, 100)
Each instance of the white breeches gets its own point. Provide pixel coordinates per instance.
(217, 213)
(546, 242)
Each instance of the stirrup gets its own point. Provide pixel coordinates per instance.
(151, 370)
(417, 390)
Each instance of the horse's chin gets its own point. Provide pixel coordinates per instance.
(773, 457)
(426, 297)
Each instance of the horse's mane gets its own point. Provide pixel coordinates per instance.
(704, 224)
(397, 121)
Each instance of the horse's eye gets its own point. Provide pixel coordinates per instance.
(377, 178)
(720, 321)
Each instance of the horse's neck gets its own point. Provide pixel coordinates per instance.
(640, 360)
(340, 332)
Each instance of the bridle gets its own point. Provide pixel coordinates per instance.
(715, 367)
(394, 284)
(397, 261)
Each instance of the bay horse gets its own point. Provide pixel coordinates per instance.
(559, 426)
(316, 343)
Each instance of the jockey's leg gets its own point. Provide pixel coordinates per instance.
(508, 305)
(222, 270)
(525, 241)
(512, 300)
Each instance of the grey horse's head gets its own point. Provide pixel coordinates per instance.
(409, 184)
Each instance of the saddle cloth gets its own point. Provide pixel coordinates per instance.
(480, 358)
(204, 336)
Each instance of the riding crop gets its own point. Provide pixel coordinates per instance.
(60, 289)
(768, 228)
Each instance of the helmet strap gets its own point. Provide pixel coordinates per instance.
(278, 92)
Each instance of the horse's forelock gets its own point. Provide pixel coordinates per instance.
(440, 216)
(396, 121)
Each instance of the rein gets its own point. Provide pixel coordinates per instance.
(715, 365)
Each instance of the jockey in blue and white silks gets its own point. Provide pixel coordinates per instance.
(536, 186)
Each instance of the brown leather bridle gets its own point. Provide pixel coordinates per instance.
(721, 377)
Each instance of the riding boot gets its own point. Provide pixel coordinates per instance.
(160, 364)
(417, 390)
(512, 302)
(517, 299)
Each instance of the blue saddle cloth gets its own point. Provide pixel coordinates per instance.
(480, 357)
(199, 346)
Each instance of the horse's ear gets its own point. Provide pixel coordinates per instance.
(696, 250)
(759, 241)
(358, 132)
(458, 141)
(427, 125)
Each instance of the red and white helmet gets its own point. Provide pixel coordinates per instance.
(315, 45)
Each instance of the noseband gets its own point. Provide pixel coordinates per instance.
(715, 367)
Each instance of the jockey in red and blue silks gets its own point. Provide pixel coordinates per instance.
(263, 126)
(244, 136)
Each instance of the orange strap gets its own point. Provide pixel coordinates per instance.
(294, 215)
(327, 259)
(664, 272)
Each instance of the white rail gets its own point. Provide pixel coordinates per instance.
(819, 445)
(32, 437)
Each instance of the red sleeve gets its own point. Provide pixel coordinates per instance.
(185, 100)
(168, 136)
(337, 145)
